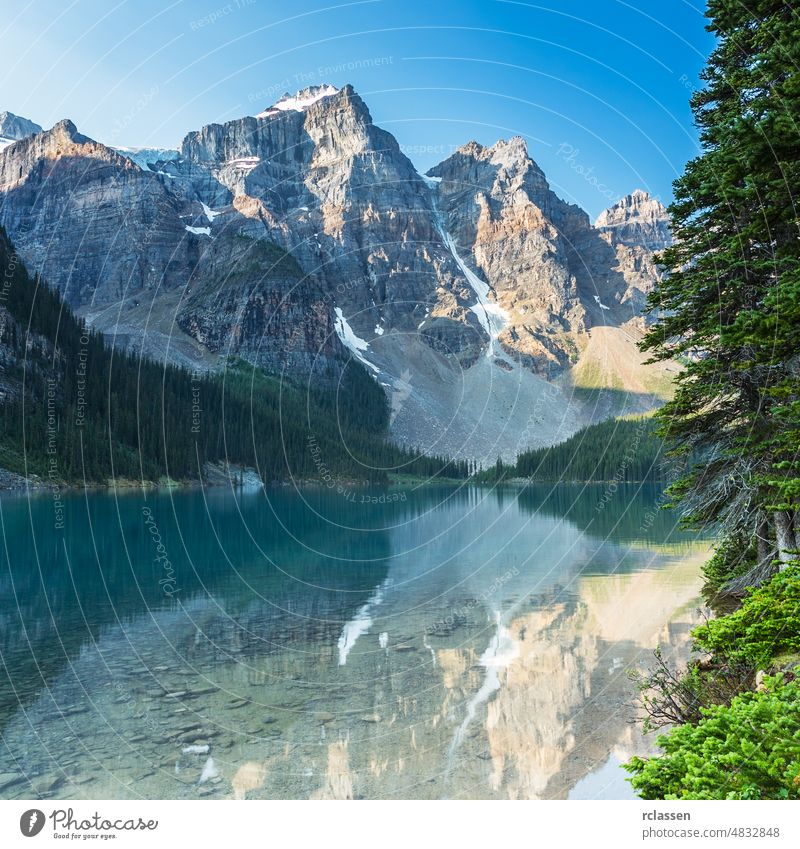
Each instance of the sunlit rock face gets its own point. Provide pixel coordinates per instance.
(106, 232)
(636, 227)
(554, 273)
(481, 248)
(637, 220)
(499, 208)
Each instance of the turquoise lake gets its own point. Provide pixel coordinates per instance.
(431, 642)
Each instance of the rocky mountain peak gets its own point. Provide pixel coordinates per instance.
(62, 140)
(513, 151)
(65, 129)
(637, 219)
(335, 122)
(510, 153)
(499, 170)
(638, 204)
(13, 128)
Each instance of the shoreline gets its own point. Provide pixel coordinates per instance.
(12, 483)
(517, 482)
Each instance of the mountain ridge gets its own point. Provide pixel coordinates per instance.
(14, 128)
(477, 262)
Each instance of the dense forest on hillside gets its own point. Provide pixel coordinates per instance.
(74, 409)
(623, 450)
(730, 310)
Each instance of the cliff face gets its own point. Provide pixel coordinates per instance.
(553, 273)
(636, 227)
(304, 236)
(249, 298)
(336, 191)
(106, 232)
(637, 220)
(91, 222)
(498, 207)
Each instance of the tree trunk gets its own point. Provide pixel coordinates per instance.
(784, 533)
(763, 546)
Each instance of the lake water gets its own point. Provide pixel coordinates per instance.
(437, 642)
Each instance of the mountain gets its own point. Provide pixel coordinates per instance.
(554, 275)
(636, 227)
(121, 245)
(88, 219)
(13, 128)
(145, 157)
(303, 237)
(327, 185)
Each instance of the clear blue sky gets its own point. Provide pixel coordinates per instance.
(598, 89)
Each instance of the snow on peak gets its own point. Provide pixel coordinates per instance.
(299, 102)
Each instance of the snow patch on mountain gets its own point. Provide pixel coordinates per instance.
(492, 317)
(244, 162)
(209, 212)
(299, 102)
(490, 314)
(352, 342)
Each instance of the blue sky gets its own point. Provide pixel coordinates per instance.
(598, 89)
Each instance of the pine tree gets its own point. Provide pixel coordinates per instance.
(729, 308)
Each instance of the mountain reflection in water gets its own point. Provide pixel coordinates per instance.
(444, 642)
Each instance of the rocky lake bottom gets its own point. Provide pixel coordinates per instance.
(431, 642)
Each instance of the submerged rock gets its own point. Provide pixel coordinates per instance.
(209, 772)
